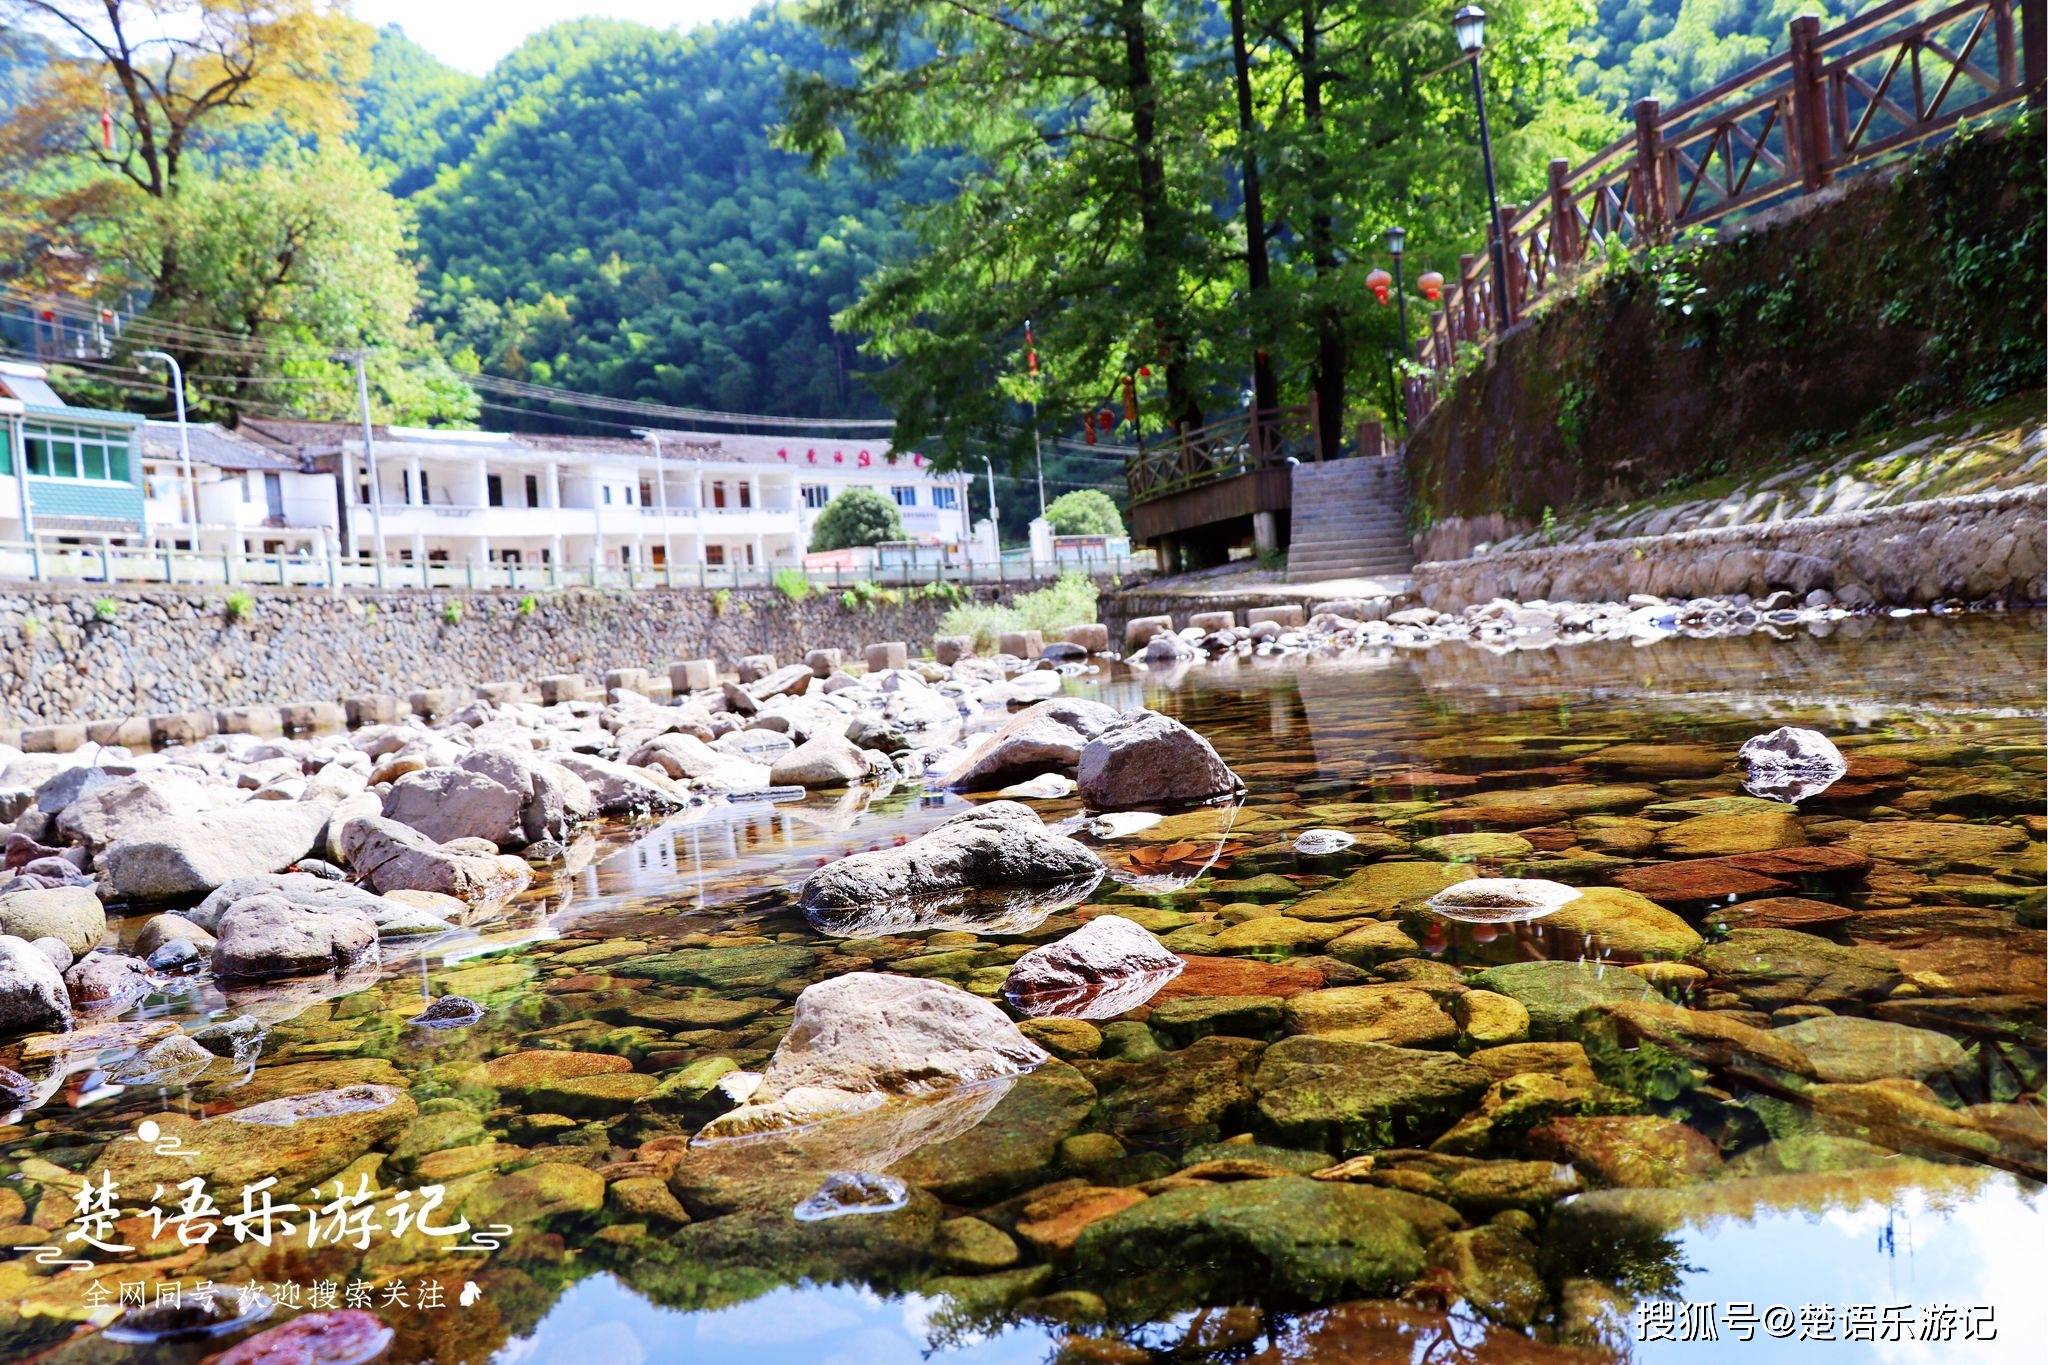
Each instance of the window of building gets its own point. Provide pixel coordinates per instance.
(647, 498)
(494, 489)
(904, 493)
(816, 495)
(247, 496)
(947, 498)
(746, 494)
(750, 556)
(426, 495)
(533, 490)
(718, 493)
(363, 492)
(607, 495)
(629, 495)
(714, 554)
(58, 450)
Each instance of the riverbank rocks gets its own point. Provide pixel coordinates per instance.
(1847, 1049)
(134, 804)
(689, 760)
(1044, 738)
(267, 936)
(1146, 760)
(860, 1040)
(309, 1137)
(1002, 845)
(1106, 967)
(32, 994)
(70, 914)
(1607, 919)
(1555, 993)
(825, 760)
(191, 855)
(1291, 1236)
(1773, 968)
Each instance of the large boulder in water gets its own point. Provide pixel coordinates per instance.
(447, 803)
(622, 789)
(193, 854)
(689, 760)
(828, 760)
(393, 857)
(1044, 738)
(268, 936)
(32, 995)
(1146, 760)
(1107, 966)
(860, 1040)
(71, 914)
(999, 846)
(120, 807)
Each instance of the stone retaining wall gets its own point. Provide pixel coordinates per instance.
(1987, 545)
(64, 658)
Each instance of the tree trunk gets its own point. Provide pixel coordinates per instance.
(1333, 355)
(1183, 407)
(1257, 260)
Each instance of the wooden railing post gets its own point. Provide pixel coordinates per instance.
(2033, 49)
(1565, 247)
(1651, 207)
(1518, 265)
(1809, 104)
(1468, 304)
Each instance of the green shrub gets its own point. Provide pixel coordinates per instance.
(943, 590)
(1084, 512)
(982, 622)
(106, 609)
(239, 606)
(865, 596)
(858, 516)
(1068, 602)
(794, 584)
(528, 605)
(452, 613)
(721, 602)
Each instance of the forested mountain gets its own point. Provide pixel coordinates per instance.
(604, 211)
(1669, 49)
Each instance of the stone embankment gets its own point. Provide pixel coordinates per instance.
(1987, 546)
(71, 655)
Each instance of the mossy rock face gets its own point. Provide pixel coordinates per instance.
(1625, 923)
(1556, 993)
(1773, 968)
(1347, 1096)
(1009, 1148)
(723, 969)
(1379, 889)
(1185, 1095)
(1307, 1240)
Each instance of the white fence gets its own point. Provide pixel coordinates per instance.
(114, 564)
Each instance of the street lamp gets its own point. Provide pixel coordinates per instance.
(1397, 239)
(184, 440)
(1469, 26)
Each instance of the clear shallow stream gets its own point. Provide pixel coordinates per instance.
(1900, 1171)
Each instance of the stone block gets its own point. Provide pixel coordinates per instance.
(951, 649)
(309, 717)
(501, 693)
(1022, 644)
(632, 679)
(1209, 622)
(889, 654)
(1139, 630)
(693, 675)
(1093, 637)
(1350, 608)
(129, 732)
(1288, 615)
(52, 739)
(658, 688)
(180, 727)
(823, 663)
(433, 703)
(249, 720)
(754, 667)
(373, 708)
(560, 687)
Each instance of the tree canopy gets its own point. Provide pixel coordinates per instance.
(1084, 512)
(856, 516)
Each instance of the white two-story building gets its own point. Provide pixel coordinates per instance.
(217, 491)
(681, 498)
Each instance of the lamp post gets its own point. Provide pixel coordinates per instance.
(184, 439)
(1397, 240)
(1469, 26)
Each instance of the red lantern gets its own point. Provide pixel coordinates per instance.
(1431, 284)
(1088, 425)
(1144, 372)
(1130, 400)
(1379, 281)
(1108, 420)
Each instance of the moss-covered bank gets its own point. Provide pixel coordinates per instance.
(1895, 296)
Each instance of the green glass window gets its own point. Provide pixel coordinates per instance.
(117, 462)
(38, 455)
(92, 460)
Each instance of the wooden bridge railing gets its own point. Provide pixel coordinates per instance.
(1875, 87)
(1223, 449)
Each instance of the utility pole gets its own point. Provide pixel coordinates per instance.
(370, 459)
(184, 439)
(668, 554)
(994, 521)
(1038, 454)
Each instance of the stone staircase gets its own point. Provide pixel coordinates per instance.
(1350, 520)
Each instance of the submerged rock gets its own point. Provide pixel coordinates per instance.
(998, 847)
(1106, 967)
(339, 1337)
(1502, 900)
(449, 1011)
(1146, 760)
(853, 1192)
(1323, 843)
(860, 1040)
(1790, 764)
